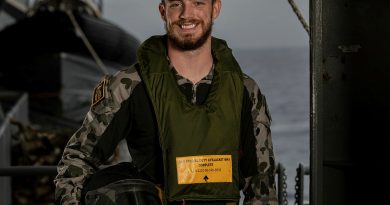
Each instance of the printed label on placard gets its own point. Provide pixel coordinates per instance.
(204, 169)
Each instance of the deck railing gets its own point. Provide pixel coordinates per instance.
(300, 184)
(16, 171)
(20, 112)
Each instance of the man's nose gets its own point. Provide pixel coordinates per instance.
(187, 11)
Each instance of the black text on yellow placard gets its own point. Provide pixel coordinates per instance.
(204, 169)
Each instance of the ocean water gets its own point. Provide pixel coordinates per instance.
(283, 77)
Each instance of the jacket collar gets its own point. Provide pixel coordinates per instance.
(152, 54)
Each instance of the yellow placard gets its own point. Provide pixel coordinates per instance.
(204, 169)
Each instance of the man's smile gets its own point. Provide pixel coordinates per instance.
(187, 26)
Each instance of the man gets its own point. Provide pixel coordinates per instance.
(194, 123)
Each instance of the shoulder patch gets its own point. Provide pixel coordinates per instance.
(99, 93)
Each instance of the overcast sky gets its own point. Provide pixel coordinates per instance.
(243, 23)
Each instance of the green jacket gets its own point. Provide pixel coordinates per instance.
(200, 143)
(125, 112)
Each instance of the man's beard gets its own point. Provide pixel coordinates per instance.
(187, 43)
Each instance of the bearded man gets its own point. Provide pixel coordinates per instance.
(197, 128)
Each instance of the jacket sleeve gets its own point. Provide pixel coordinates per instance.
(103, 127)
(260, 189)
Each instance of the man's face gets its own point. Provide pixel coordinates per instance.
(189, 22)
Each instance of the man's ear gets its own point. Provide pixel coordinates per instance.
(161, 8)
(216, 8)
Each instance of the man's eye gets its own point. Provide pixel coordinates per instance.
(174, 5)
(199, 3)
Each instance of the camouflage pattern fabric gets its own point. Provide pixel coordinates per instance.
(78, 163)
(182, 80)
(261, 189)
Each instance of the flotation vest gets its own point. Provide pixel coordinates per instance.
(200, 143)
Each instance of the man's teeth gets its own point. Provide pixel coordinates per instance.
(188, 26)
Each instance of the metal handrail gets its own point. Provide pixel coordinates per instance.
(299, 186)
(14, 171)
(282, 185)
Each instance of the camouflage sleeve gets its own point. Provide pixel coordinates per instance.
(81, 157)
(261, 186)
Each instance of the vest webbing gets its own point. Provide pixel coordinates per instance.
(210, 129)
